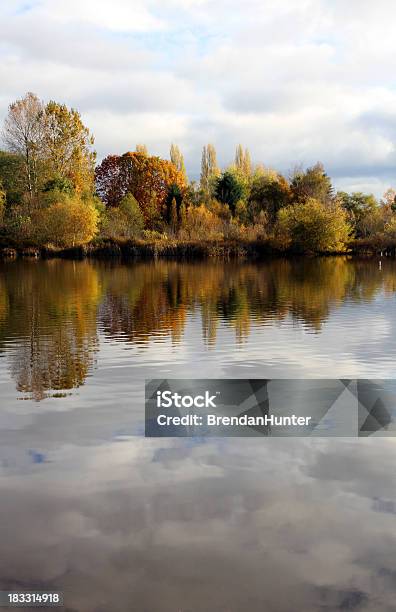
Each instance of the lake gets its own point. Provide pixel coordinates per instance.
(119, 522)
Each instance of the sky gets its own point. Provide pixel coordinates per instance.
(295, 81)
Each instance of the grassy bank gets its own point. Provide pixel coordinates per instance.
(183, 250)
(134, 249)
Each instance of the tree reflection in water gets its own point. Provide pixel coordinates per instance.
(53, 312)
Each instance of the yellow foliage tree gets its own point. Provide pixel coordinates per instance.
(312, 226)
(67, 145)
(201, 224)
(68, 223)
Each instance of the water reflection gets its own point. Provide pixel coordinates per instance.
(48, 323)
(138, 525)
(120, 522)
(53, 313)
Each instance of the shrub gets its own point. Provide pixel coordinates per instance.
(201, 224)
(151, 235)
(390, 229)
(59, 184)
(125, 221)
(312, 227)
(67, 223)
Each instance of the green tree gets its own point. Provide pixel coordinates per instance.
(313, 183)
(59, 184)
(362, 211)
(174, 194)
(125, 221)
(131, 209)
(314, 227)
(228, 190)
(12, 176)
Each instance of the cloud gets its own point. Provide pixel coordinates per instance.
(166, 521)
(295, 81)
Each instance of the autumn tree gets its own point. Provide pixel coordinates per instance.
(389, 198)
(311, 183)
(209, 168)
(141, 148)
(269, 193)
(177, 160)
(23, 133)
(243, 162)
(67, 146)
(147, 178)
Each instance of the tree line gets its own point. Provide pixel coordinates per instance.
(54, 194)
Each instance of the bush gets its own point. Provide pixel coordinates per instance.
(201, 224)
(390, 229)
(312, 227)
(67, 223)
(151, 235)
(59, 184)
(125, 221)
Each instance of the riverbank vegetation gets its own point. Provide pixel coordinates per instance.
(54, 196)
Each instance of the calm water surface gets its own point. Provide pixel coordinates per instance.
(123, 523)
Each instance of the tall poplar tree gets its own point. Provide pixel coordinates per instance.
(142, 148)
(243, 162)
(209, 167)
(177, 160)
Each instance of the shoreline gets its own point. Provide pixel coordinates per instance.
(188, 250)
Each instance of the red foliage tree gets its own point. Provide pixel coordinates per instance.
(146, 177)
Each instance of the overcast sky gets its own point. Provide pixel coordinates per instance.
(296, 81)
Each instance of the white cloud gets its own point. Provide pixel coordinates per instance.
(295, 81)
